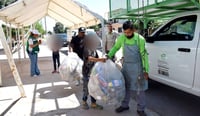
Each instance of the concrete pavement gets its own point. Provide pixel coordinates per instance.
(47, 95)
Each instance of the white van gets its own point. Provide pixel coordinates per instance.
(174, 53)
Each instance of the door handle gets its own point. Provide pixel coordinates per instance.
(184, 49)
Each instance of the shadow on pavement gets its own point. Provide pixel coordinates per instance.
(10, 106)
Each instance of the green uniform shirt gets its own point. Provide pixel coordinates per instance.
(34, 41)
(137, 39)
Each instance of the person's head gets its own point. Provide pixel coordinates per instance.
(110, 29)
(35, 33)
(128, 29)
(81, 32)
(91, 40)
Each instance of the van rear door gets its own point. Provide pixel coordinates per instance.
(172, 54)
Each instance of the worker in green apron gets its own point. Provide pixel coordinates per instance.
(135, 67)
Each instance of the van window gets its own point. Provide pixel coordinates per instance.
(180, 29)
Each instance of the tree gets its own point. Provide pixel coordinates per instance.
(59, 28)
(39, 27)
(49, 32)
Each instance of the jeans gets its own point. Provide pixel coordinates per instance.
(85, 90)
(34, 66)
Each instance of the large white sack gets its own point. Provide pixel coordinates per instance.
(71, 67)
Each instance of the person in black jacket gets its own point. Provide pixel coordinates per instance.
(76, 45)
(77, 42)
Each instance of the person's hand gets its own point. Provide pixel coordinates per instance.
(40, 41)
(70, 49)
(146, 75)
(107, 57)
(103, 59)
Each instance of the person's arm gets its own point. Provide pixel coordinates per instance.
(105, 43)
(30, 41)
(71, 45)
(144, 56)
(93, 59)
(116, 47)
(33, 45)
(88, 57)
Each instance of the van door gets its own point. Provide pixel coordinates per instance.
(172, 54)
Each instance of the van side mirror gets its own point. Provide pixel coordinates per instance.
(150, 39)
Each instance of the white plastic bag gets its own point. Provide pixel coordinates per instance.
(71, 67)
(107, 83)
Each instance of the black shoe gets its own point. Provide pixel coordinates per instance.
(141, 113)
(121, 109)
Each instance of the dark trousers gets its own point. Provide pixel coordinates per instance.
(56, 57)
(85, 90)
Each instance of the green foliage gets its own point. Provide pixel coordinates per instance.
(95, 27)
(49, 32)
(39, 27)
(59, 28)
(154, 24)
(13, 31)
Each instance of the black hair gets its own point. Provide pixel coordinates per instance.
(128, 25)
(31, 33)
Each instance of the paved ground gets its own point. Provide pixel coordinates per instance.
(168, 101)
(47, 95)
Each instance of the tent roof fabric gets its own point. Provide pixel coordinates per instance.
(68, 12)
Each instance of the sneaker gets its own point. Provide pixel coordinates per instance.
(121, 109)
(141, 113)
(85, 105)
(77, 83)
(96, 106)
(54, 71)
(35, 76)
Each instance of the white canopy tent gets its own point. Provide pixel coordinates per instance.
(26, 12)
(68, 12)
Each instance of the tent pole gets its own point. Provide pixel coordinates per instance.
(18, 43)
(23, 42)
(45, 22)
(11, 62)
(7, 33)
(103, 35)
(10, 36)
(0, 76)
(16, 38)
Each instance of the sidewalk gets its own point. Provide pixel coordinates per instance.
(47, 95)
